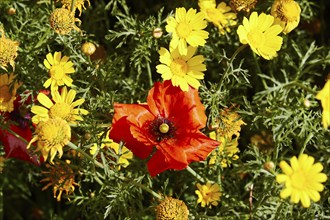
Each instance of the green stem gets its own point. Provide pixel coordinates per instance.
(73, 146)
(156, 195)
(190, 170)
(73, 2)
(149, 74)
(295, 83)
(76, 148)
(230, 62)
(15, 134)
(258, 69)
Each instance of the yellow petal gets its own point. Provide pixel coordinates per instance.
(44, 100)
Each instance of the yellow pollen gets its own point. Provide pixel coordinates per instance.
(61, 110)
(256, 38)
(183, 29)
(5, 94)
(179, 67)
(164, 128)
(299, 180)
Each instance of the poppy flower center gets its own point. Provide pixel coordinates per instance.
(161, 129)
(179, 67)
(164, 128)
(183, 29)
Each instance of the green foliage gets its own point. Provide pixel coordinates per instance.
(276, 100)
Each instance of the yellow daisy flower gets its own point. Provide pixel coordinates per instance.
(182, 70)
(51, 137)
(8, 90)
(259, 32)
(123, 153)
(171, 208)
(61, 177)
(286, 13)
(186, 27)
(8, 51)
(303, 179)
(208, 194)
(324, 97)
(220, 16)
(64, 107)
(59, 68)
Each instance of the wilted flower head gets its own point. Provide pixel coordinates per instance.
(229, 123)
(261, 34)
(187, 28)
(8, 51)
(171, 208)
(220, 16)
(62, 20)
(287, 14)
(51, 136)
(226, 152)
(303, 179)
(324, 97)
(243, 5)
(208, 194)
(8, 88)
(61, 177)
(78, 4)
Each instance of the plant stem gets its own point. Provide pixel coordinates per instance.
(73, 2)
(230, 62)
(76, 148)
(190, 170)
(156, 195)
(16, 135)
(149, 74)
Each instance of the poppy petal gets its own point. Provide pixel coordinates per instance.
(120, 131)
(15, 147)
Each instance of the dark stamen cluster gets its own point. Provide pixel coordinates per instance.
(154, 129)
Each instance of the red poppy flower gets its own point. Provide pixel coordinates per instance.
(18, 122)
(170, 121)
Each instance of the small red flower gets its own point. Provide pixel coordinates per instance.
(170, 121)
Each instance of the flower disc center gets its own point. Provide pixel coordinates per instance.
(179, 67)
(61, 110)
(299, 180)
(57, 72)
(54, 131)
(256, 38)
(183, 29)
